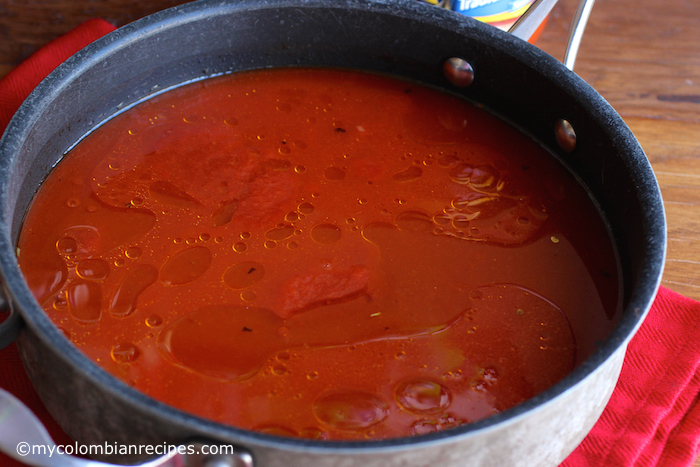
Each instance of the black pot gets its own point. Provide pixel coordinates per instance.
(407, 38)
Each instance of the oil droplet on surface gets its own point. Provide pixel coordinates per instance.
(326, 233)
(306, 208)
(93, 269)
(461, 173)
(167, 193)
(204, 237)
(408, 175)
(422, 396)
(131, 286)
(441, 219)
(73, 202)
(485, 177)
(225, 212)
(240, 247)
(334, 173)
(278, 165)
(186, 266)
(291, 216)
(245, 235)
(60, 303)
(414, 221)
(85, 301)
(154, 321)
(270, 244)
(244, 274)
(280, 233)
(125, 353)
(119, 262)
(447, 161)
(67, 245)
(283, 356)
(292, 245)
(312, 376)
(300, 169)
(248, 296)
(133, 252)
(279, 369)
(460, 222)
(350, 410)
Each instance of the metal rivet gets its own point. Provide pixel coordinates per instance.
(458, 72)
(565, 135)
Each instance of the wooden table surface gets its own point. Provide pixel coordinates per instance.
(643, 56)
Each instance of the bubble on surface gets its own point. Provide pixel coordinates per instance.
(244, 274)
(350, 410)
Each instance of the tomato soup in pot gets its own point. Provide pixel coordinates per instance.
(322, 253)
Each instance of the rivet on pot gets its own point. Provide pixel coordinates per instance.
(458, 72)
(565, 135)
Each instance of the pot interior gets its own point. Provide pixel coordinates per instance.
(405, 38)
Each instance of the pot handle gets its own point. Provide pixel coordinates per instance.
(528, 23)
(24, 438)
(12, 325)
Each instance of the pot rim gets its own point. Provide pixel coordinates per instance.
(23, 302)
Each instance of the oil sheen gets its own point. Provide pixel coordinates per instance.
(321, 253)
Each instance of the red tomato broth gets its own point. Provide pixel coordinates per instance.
(322, 253)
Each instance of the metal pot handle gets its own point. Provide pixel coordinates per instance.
(24, 438)
(528, 23)
(10, 328)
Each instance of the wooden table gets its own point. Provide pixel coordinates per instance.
(643, 56)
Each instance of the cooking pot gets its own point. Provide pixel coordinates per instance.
(407, 38)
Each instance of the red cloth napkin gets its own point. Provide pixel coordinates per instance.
(653, 418)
